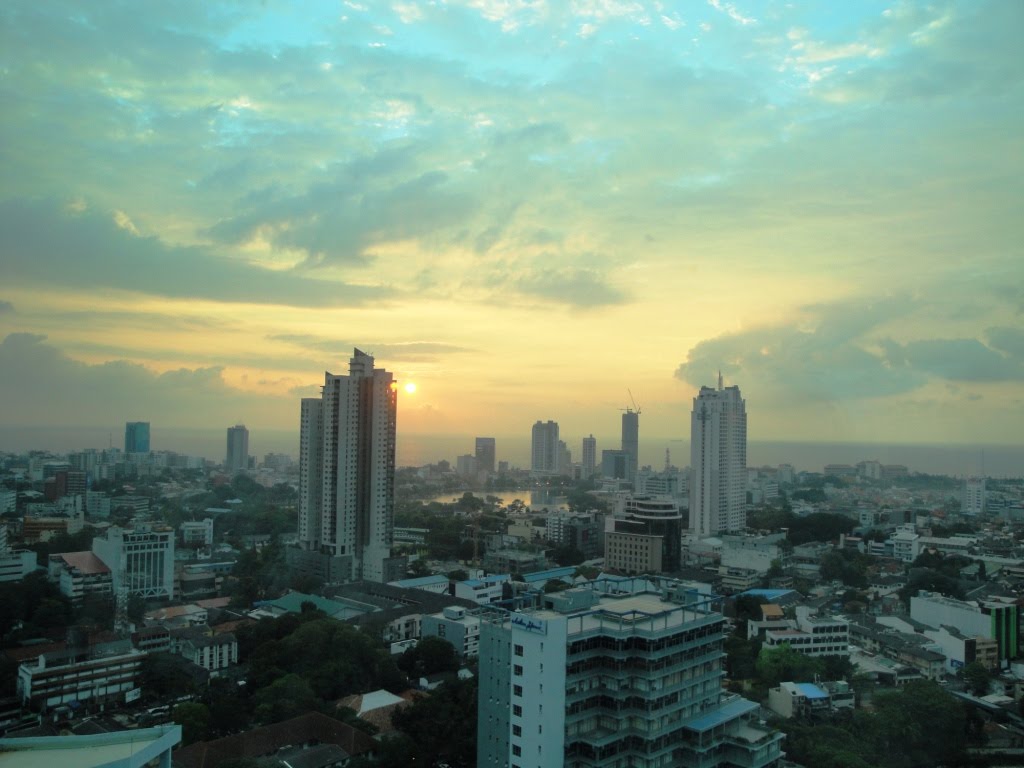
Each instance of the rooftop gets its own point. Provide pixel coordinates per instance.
(122, 748)
(84, 562)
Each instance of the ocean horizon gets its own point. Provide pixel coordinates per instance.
(416, 450)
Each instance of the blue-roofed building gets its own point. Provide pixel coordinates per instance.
(538, 579)
(487, 590)
(436, 583)
(781, 597)
(291, 602)
(799, 700)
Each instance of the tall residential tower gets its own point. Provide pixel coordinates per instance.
(544, 448)
(347, 469)
(718, 461)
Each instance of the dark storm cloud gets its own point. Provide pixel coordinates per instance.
(44, 385)
(42, 243)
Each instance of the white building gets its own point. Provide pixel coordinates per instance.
(347, 468)
(80, 576)
(906, 543)
(197, 533)
(141, 560)
(718, 461)
(237, 457)
(483, 591)
(812, 636)
(973, 502)
(544, 448)
(593, 679)
(456, 625)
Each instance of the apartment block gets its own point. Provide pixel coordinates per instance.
(613, 673)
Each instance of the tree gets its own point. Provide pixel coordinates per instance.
(567, 555)
(164, 675)
(783, 664)
(194, 719)
(977, 677)
(285, 698)
(443, 725)
(429, 656)
(457, 575)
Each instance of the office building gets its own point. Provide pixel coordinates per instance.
(544, 448)
(589, 457)
(613, 673)
(141, 560)
(583, 531)
(485, 454)
(99, 673)
(996, 618)
(136, 437)
(631, 441)
(644, 536)
(238, 449)
(347, 470)
(614, 464)
(718, 461)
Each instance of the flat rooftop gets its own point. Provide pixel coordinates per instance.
(127, 748)
(645, 611)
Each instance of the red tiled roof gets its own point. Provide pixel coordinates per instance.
(86, 562)
(311, 727)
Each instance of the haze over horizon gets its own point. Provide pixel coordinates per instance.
(528, 209)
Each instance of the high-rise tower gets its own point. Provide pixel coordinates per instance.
(485, 449)
(347, 468)
(589, 457)
(718, 461)
(237, 457)
(136, 437)
(544, 448)
(631, 441)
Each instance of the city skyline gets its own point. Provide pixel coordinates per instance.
(495, 197)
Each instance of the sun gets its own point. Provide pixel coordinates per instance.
(410, 388)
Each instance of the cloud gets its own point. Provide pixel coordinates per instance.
(6, 307)
(45, 386)
(579, 287)
(957, 359)
(842, 351)
(822, 359)
(44, 244)
(403, 351)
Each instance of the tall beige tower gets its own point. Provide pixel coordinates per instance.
(347, 468)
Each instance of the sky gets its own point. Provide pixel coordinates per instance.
(529, 209)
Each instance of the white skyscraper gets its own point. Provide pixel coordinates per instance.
(718, 461)
(347, 468)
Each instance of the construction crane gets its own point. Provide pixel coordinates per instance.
(634, 409)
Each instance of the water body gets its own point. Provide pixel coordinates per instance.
(417, 450)
(535, 499)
